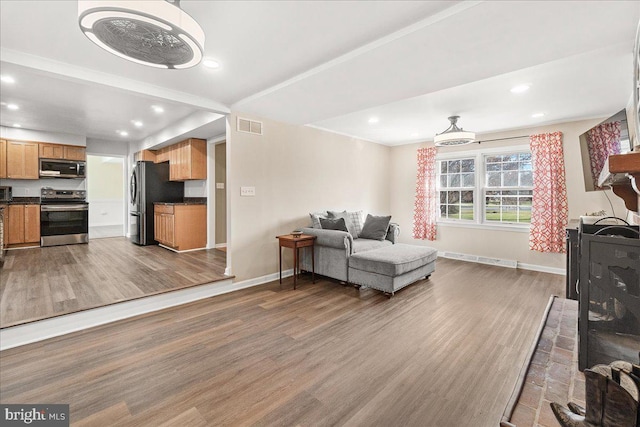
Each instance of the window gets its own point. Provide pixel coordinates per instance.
(486, 188)
(508, 189)
(457, 188)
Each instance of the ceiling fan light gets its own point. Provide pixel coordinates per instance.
(151, 32)
(454, 135)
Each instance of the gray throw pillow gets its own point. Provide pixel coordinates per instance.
(375, 227)
(315, 218)
(350, 227)
(333, 224)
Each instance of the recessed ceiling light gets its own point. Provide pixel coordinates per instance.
(17, 125)
(537, 115)
(7, 79)
(12, 107)
(211, 63)
(122, 132)
(157, 109)
(374, 120)
(137, 123)
(520, 89)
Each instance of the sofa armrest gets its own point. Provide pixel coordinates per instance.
(393, 233)
(331, 238)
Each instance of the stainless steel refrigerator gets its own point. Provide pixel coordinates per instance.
(149, 183)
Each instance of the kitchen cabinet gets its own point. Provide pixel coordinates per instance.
(51, 151)
(180, 227)
(74, 152)
(162, 155)
(188, 160)
(22, 160)
(145, 155)
(3, 158)
(23, 224)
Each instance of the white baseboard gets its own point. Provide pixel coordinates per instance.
(220, 245)
(40, 330)
(500, 262)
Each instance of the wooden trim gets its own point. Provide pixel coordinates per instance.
(517, 390)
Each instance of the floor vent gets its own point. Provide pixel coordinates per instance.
(249, 126)
(480, 259)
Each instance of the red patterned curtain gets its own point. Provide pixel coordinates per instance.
(549, 213)
(424, 213)
(602, 141)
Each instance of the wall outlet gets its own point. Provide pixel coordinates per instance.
(247, 191)
(220, 185)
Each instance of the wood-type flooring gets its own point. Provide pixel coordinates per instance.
(442, 352)
(40, 283)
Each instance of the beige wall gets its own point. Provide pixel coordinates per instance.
(221, 194)
(510, 245)
(295, 170)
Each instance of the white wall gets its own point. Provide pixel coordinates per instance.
(511, 245)
(105, 190)
(295, 170)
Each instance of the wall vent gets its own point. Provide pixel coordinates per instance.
(480, 259)
(249, 126)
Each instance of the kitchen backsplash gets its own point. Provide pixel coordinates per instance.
(196, 188)
(31, 187)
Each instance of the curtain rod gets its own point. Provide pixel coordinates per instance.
(503, 139)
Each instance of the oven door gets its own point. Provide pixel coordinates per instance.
(62, 224)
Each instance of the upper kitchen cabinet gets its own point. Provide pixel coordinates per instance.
(51, 151)
(22, 160)
(3, 159)
(188, 160)
(145, 155)
(60, 151)
(74, 152)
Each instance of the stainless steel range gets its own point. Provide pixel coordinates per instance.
(64, 217)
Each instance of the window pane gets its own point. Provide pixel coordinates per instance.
(454, 180)
(526, 179)
(443, 167)
(492, 213)
(443, 211)
(468, 165)
(526, 166)
(453, 211)
(493, 159)
(468, 180)
(510, 166)
(466, 197)
(525, 157)
(511, 201)
(525, 201)
(510, 179)
(494, 167)
(454, 166)
(510, 158)
(443, 181)
(493, 179)
(453, 197)
(443, 197)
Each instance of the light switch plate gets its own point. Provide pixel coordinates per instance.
(220, 185)
(248, 191)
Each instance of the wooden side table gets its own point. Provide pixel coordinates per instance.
(295, 243)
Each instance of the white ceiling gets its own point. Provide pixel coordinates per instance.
(331, 64)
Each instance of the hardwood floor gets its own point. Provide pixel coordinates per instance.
(40, 283)
(442, 352)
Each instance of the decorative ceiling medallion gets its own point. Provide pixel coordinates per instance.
(454, 135)
(156, 33)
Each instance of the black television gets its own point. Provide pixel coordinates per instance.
(594, 154)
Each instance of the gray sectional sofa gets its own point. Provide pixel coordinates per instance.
(333, 249)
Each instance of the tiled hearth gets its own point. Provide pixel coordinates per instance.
(553, 375)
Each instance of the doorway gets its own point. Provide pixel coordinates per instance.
(106, 196)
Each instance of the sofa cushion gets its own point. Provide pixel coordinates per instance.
(315, 218)
(362, 245)
(351, 219)
(375, 227)
(393, 260)
(333, 224)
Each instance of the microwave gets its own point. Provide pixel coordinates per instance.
(62, 168)
(5, 195)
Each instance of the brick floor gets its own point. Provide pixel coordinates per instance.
(553, 375)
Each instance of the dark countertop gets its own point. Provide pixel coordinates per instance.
(25, 201)
(186, 201)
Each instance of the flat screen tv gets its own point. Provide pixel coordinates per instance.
(609, 137)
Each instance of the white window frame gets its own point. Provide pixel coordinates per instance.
(479, 189)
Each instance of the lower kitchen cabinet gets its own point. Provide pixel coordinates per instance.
(180, 226)
(23, 224)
